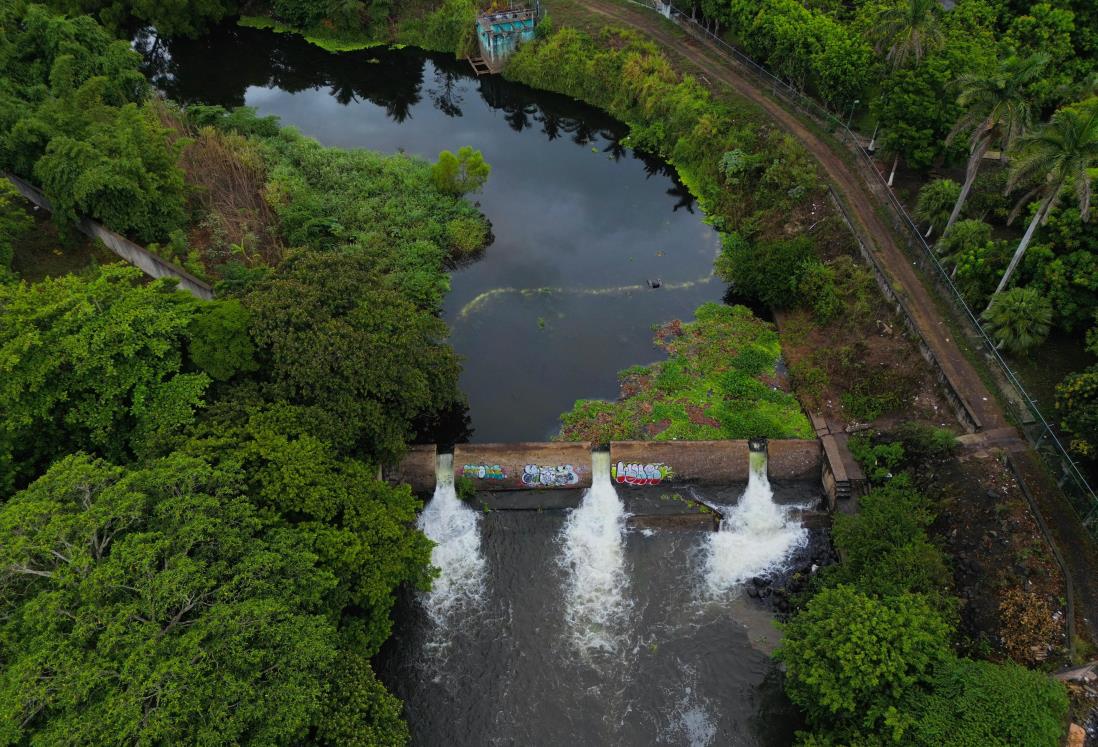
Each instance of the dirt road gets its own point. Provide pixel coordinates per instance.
(862, 205)
(859, 200)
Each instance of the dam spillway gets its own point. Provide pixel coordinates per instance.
(546, 466)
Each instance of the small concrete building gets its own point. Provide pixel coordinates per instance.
(499, 32)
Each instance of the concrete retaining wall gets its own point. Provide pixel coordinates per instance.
(964, 411)
(140, 257)
(642, 463)
(524, 466)
(417, 469)
(794, 459)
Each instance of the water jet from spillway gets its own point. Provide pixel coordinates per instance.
(756, 535)
(454, 527)
(594, 562)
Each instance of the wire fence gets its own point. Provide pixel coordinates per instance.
(1041, 435)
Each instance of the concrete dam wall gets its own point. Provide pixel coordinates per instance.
(567, 466)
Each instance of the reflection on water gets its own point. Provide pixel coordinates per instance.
(583, 226)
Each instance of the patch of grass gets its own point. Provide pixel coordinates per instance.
(718, 382)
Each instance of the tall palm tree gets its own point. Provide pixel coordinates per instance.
(1058, 157)
(998, 109)
(906, 30)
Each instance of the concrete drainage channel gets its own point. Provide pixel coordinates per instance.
(664, 484)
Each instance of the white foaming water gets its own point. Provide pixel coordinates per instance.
(594, 561)
(756, 535)
(454, 528)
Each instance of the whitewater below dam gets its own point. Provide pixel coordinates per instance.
(565, 627)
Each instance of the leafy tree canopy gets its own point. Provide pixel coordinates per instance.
(92, 363)
(852, 658)
(332, 337)
(155, 605)
(360, 528)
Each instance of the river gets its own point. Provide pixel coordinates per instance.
(511, 651)
(573, 212)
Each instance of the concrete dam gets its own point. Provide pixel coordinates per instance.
(662, 480)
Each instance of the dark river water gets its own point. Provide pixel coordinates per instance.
(581, 223)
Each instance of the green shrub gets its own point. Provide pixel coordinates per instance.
(466, 235)
(878, 460)
(818, 289)
(851, 659)
(923, 442)
(884, 547)
(979, 704)
(766, 271)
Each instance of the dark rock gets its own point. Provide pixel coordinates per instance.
(994, 495)
(752, 592)
(758, 581)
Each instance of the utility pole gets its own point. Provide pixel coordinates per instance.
(850, 116)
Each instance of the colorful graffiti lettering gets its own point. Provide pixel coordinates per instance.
(483, 472)
(536, 475)
(640, 474)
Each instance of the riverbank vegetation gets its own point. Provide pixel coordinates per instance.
(894, 586)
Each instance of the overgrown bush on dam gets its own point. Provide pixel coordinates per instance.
(719, 382)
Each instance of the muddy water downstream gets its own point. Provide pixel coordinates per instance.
(561, 300)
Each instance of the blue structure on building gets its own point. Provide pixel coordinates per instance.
(500, 32)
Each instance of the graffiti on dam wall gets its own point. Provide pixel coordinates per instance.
(635, 473)
(549, 476)
(483, 472)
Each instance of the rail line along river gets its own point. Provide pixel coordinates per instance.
(561, 301)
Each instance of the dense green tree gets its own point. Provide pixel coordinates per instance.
(1046, 29)
(14, 222)
(219, 341)
(73, 120)
(998, 109)
(905, 31)
(981, 704)
(153, 606)
(1057, 158)
(92, 363)
(936, 199)
(1070, 283)
(851, 659)
(332, 337)
(170, 17)
(360, 528)
(805, 46)
(1077, 404)
(466, 172)
(1018, 320)
(121, 171)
